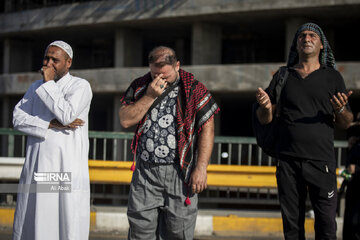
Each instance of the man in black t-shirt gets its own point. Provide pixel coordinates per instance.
(313, 99)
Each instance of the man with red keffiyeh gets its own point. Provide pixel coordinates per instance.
(172, 147)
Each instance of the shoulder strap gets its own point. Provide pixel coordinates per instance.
(280, 83)
(161, 97)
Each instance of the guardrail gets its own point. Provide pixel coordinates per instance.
(228, 181)
(109, 172)
(115, 146)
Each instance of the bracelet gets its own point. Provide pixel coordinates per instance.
(341, 109)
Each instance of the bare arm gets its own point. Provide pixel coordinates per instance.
(265, 112)
(198, 179)
(343, 117)
(133, 113)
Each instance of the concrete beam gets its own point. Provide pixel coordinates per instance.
(217, 78)
(112, 11)
(11, 168)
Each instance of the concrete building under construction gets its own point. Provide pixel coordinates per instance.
(232, 46)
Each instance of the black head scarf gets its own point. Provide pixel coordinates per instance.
(326, 55)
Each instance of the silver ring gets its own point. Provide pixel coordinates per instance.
(161, 86)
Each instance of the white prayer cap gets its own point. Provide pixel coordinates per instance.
(64, 46)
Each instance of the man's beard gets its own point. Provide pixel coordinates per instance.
(58, 76)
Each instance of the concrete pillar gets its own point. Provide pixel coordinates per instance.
(5, 114)
(206, 44)
(180, 50)
(291, 26)
(128, 48)
(6, 56)
(17, 56)
(330, 36)
(7, 5)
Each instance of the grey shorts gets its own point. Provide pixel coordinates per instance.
(156, 206)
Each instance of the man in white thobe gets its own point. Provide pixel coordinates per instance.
(54, 115)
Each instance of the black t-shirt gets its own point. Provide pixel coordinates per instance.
(306, 128)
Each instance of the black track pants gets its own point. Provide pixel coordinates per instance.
(296, 177)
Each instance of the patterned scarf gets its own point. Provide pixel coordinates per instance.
(326, 55)
(195, 107)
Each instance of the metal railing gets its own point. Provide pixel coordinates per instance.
(115, 146)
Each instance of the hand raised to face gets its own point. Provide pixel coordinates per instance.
(48, 73)
(156, 87)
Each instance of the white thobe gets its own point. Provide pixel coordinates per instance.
(54, 215)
